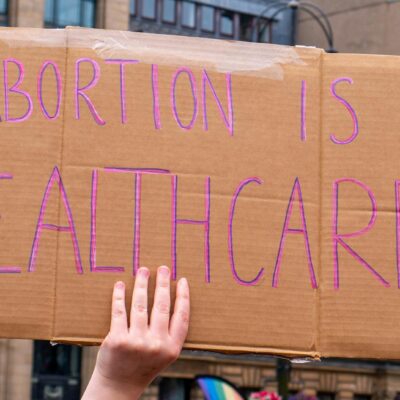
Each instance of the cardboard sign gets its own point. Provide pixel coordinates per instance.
(268, 176)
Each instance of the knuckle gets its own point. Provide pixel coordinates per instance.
(163, 283)
(118, 312)
(155, 349)
(185, 296)
(141, 284)
(140, 307)
(140, 346)
(163, 307)
(117, 344)
(172, 354)
(184, 316)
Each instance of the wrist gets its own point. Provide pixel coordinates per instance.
(101, 387)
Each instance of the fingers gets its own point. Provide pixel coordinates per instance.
(160, 324)
(119, 323)
(139, 316)
(180, 318)
(160, 314)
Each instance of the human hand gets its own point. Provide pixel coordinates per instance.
(132, 356)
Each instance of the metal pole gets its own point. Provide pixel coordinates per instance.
(325, 29)
(283, 369)
(322, 15)
(314, 11)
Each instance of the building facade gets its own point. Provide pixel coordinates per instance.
(230, 19)
(329, 380)
(38, 370)
(359, 26)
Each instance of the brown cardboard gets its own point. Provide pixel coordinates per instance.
(288, 107)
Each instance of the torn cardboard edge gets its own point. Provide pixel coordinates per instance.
(294, 356)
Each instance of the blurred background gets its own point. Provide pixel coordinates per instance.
(38, 370)
(358, 26)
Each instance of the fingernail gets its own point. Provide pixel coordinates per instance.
(183, 283)
(120, 285)
(143, 271)
(164, 271)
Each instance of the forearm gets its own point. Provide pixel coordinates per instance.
(100, 388)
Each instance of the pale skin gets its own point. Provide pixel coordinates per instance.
(133, 354)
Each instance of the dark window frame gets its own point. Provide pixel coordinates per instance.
(222, 34)
(214, 28)
(269, 29)
(165, 21)
(246, 391)
(248, 22)
(185, 384)
(135, 13)
(193, 28)
(57, 367)
(55, 17)
(155, 12)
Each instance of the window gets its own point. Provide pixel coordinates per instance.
(226, 23)
(174, 389)
(132, 7)
(56, 371)
(169, 11)
(188, 14)
(264, 31)
(326, 396)
(68, 12)
(246, 391)
(149, 9)
(88, 12)
(49, 12)
(60, 13)
(362, 397)
(207, 18)
(3, 12)
(247, 26)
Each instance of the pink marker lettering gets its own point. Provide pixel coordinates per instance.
(93, 240)
(156, 96)
(137, 216)
(303, 133)
(338, 238)
(296, 192)
(349, 108)
(260, 273)
(16, 90)
(205, 223)
(138, 172)
(397, 194)
(122, 87)
(228, 120)
(8, 269)
(55, 178)
(80, 91)
(57, 74)
(192, 81)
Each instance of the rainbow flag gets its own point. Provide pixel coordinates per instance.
(215, 388)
